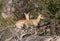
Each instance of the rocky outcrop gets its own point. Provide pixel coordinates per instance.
(11, 33)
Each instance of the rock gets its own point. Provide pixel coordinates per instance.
(56, 38)
(11, 33)
(39, 38)
(8, 33)
(33, 38)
